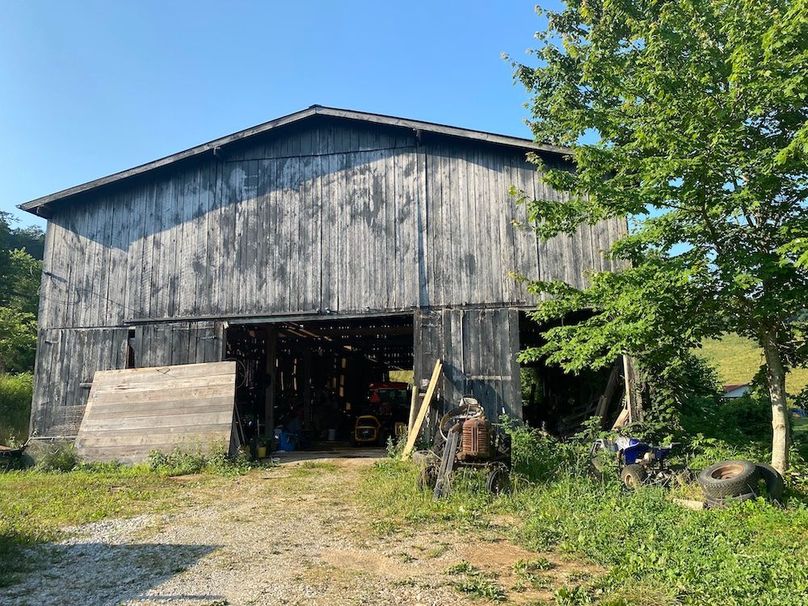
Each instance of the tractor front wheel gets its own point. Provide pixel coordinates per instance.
(498, 480)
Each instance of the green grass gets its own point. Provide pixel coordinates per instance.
(528, 567)
(476, 583)
(738, 359)
(752, 553)
(531, 573)
(480, 586)
(392, 491)
(652, 550)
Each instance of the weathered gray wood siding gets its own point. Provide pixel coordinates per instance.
(478, 348)
(173, 343)
(69, 357)
(66, 358)
(324, 216)
(131, 413)
(333, 217)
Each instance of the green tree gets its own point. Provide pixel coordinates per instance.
(19, 295)
(17, 340)
(696, 110)
(5, 242)
(31, 238)
(19, 288)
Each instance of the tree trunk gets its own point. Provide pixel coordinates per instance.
(776, 378)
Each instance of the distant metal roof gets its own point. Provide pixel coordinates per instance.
(38, 204)
(736, 390)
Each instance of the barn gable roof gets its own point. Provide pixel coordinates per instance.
(40, 205)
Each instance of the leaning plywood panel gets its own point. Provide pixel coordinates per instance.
(135, 411)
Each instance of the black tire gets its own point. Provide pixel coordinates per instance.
(719, 502)
(633, 476)
(729, 479)
(775, 486)
(498, 481)
(427, 478)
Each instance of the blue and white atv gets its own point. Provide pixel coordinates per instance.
(638, 462)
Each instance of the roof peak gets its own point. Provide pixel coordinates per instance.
(38, 205)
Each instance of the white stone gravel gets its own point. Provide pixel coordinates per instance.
(268, 539)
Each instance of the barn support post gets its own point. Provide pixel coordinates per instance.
(306, 391)
(271, 366)
(514, 402)
(415, 403)
(602, 409)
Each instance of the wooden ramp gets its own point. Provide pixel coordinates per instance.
(135, 411)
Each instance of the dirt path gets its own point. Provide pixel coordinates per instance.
(291, 535)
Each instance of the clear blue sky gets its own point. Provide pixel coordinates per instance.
(91, 87)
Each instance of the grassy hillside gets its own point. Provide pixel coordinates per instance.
(738, 359)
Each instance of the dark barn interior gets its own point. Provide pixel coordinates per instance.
(307, 382)
(558, 401)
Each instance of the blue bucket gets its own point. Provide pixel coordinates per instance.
(286, 440)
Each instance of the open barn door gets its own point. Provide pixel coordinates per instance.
(135, 411)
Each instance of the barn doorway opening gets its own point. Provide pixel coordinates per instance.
(557, 401)
(324, 384)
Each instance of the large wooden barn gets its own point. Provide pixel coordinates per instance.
(320, 250)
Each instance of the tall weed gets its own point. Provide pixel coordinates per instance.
(57, 457)
(186, 462)
(539, 457)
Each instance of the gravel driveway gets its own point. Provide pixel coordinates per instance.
(289, 535)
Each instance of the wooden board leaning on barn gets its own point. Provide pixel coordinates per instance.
(133, 412)
(419, 420)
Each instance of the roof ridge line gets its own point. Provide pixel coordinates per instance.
(37, 205)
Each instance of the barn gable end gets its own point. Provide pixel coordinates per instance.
(321, 217)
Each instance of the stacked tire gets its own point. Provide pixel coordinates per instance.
(732, 481)
(775, 486)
